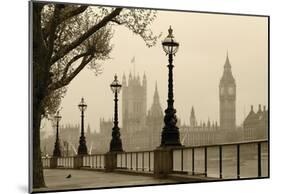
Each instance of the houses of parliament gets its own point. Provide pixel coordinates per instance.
(142, 125)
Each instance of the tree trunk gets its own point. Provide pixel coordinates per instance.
(39, 91)
(38, 176)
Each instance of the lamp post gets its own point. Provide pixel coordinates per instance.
(116, 143)
(57, 151)
(82, 148)
(170, 132)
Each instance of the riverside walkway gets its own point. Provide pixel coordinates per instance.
(55, 179)
(161, 166)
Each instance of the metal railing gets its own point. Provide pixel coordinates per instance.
(232, 160)
(66, 162)
(46, 162)
(136, 161)
(95, 161)
(224, 161)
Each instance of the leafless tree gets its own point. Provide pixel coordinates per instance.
(66, 39)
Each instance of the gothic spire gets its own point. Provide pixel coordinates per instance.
(138, 78)
(192, 114)
(156, 95)
(144, 82)
(156, 109)
(124, 83)
(144, 76)
(227, 63)
(192, 118)
(227, 76)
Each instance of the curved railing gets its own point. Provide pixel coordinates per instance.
(136, 161)
(95, 161)
(227, 161)
(224, 161)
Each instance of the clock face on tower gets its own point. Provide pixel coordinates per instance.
(230, 90)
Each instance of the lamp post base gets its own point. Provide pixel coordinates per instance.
(116, 142)
(116, 146)
(82, 149)
(57, 151)
(170, 137)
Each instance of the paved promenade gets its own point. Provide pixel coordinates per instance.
(55, 179)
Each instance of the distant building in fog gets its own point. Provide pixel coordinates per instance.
(227, 96)
(69, 139)
(154, 121)
(134, 102)
(141, 127)
(200, 134)
(256, 124)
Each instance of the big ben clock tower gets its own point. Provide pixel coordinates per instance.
(227, 92)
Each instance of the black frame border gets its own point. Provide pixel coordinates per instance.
(30, 96)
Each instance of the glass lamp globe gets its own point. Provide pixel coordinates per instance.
(115, 85)
(82, 106)
(170, 45)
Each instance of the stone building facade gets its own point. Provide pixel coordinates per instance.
(141, 127)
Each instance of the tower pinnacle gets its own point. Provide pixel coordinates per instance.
(156, 95)
(227, 94)
(192, 118)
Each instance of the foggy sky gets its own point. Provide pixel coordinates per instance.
(204, 40)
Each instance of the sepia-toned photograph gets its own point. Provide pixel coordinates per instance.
(131, 96)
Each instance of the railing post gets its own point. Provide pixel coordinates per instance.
(53, 162)
(192, 161)
(78, 161)
(149, 161)
(259, 159)
(206, 160)
(142, 161)
(238, 161)
(126, 161)
(121, 158)
(220, 160)
(110, 161)
(96, 156)
(91, 161)
(131, 160)
(181, 159)
(137, 161)
(163, 161)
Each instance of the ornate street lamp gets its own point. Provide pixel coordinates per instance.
(82, 149)
(170, 132)
(116, 143)
(57, 151)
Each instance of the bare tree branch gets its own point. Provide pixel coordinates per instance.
(75, 58)
(65, 15)
(63, 51)
(67, 80)
(53, 27)
(117, 22)
(71, 13)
